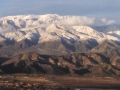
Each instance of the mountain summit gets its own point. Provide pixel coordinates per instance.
(53, 33)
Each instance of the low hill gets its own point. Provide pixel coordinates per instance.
(75, 63)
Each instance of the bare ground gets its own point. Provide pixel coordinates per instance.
(55, 81)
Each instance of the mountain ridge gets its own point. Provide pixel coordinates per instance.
(53, 32)
(94, 64)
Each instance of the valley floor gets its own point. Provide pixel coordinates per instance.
(57, 82)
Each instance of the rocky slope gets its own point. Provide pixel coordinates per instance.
(76, 63)
(54, 34)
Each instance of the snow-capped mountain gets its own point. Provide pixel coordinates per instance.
(113, 30)
(43, 29)
(23, 21)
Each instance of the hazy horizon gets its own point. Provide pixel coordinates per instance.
(108, 9)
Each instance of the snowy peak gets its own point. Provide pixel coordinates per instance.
(89, 31)
(52, 33)
(23, 21)
(51, 27)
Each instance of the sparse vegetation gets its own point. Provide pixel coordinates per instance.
(55, 82)
(84, 70)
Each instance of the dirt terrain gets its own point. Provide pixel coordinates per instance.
(55, 82)
(77, 71)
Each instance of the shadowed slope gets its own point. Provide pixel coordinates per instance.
(76, 63)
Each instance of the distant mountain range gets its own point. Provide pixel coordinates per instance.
(52, 34)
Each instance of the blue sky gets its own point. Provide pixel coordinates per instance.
(94, 8)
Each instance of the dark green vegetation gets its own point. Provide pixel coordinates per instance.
(71, 64)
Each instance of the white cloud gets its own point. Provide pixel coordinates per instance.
(83, 20)
(70, 20)
(102, 22)
(76, 20)
(107, 22)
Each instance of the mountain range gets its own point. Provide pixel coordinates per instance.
(89, 64)
(52, 34)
